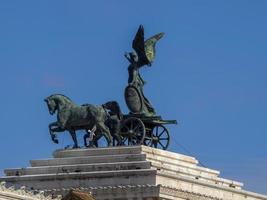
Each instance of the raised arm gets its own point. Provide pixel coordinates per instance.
(127, 56)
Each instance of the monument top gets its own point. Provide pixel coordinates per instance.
(140, 127)
(127, 172)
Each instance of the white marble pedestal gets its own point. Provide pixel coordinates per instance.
(136, 172)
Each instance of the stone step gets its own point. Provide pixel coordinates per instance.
(170, 156)
(173, 165)
(88, 160)
(97, 151)
(161, 157)
(78, 168)
(84, 179)
(181, 170)
(195, 174)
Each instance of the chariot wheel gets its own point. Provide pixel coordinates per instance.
(132, 132)
(159, 137)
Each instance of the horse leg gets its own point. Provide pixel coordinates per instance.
(55, 131)
(116, 133)
(105, 131)
(94, 142)
(53, 127)
(118, 139)
(85, 138)
(114, 127)
(74, 138)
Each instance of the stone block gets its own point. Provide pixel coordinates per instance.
(133, 172)
(88, 160)
(62, 153)
(78, 168)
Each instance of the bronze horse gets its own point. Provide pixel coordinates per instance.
(72, 117)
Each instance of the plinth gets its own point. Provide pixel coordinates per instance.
(133, 172)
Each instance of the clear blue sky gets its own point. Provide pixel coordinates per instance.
(210, 74)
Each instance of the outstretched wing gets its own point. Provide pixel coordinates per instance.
(150, 45)
(139, 46)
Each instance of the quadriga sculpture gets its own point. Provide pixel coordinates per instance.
(72, 117)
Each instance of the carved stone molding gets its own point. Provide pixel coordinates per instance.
(184, 194)
(24, 194)
(107, 191)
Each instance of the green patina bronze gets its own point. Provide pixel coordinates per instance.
(143, 55)
(72, 117)
(141, 126)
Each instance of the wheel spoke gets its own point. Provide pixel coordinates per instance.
(125, 127)
(157, 130)
(161, 133)
(163, 138)
(131, 125)
(134, 137)
(138, 126)
(162, 145)
(124, 140)
(133, 132)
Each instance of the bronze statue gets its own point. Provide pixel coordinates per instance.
(144, 54)
(72, 117)
(140, 126)
(113, 119)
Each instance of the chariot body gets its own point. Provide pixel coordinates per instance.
(135, 128)
(138, 128)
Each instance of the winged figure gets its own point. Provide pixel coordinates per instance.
(145, 49)
(143, 54)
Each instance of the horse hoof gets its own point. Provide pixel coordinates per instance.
(90, 146)
(55, 141)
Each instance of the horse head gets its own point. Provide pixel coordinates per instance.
(51, 104)
(56, 101)
(114, 107)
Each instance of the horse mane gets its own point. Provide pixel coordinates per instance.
(62, 96)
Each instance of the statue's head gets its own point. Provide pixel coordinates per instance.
(134, 56)
(51, 104)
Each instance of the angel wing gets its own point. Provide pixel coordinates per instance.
(139, 46)
(145, 50)
(150, 46)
